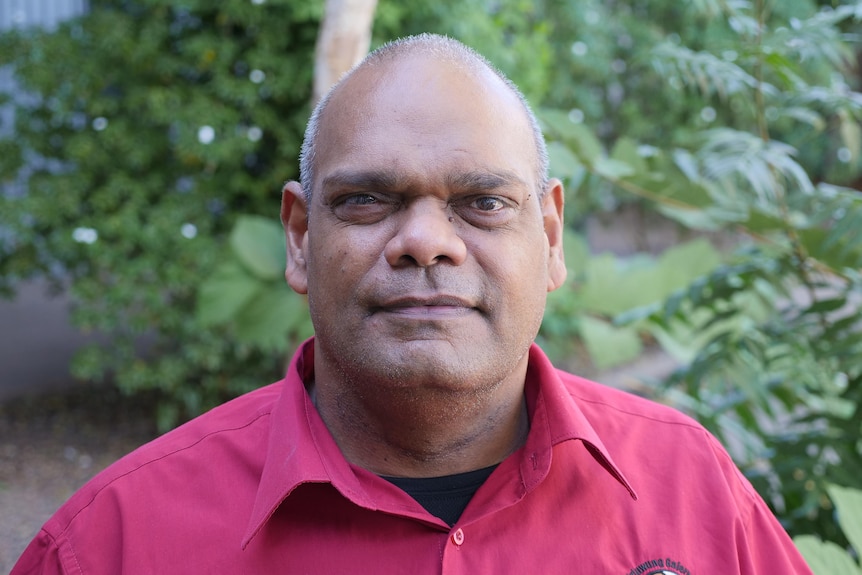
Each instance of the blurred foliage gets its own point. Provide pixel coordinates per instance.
(150, 126)
(247, 289)
(153, 123)
(579, 315)
(769, 340)
(827, 558)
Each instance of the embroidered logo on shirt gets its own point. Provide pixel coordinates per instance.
(665, 566)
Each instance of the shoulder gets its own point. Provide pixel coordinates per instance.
(597, 398)
(652, 440)
(231, 418)
(228, 437)
(157, 499)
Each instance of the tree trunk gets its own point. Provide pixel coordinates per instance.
(343, 40)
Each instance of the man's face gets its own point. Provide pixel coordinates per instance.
(426, 257)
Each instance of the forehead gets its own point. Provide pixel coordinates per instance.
(422, 114)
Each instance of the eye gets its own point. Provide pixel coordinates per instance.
(359, 200)
(362, 207)
(486, 212)
(488, 204)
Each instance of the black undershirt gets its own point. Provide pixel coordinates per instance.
(444, 497)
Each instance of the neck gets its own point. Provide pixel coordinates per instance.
(425, 432)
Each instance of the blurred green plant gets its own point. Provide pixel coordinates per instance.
(159, 122)
(579, 316)
(248, 291)
(771, 341)
(827, 558)
(144, 128)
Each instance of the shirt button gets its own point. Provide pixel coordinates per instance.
(458, 537)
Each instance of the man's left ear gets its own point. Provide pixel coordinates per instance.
(552, 216)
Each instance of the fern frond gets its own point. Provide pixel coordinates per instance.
(706, 72)
(816, 38)
(766, 168)
(713, 8)
(833, 99)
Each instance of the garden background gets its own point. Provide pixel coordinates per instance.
(711, 151)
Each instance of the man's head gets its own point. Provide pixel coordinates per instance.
(444, 49)
(427, 237)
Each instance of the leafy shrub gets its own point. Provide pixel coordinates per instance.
(770, 340)
(153, 124)
(827, 558)
(247, 291)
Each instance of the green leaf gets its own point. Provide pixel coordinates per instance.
(608, 345)
(576, 252)
(614, 285)
(682, 263)
(817, 243)
(626, 150)
(848, 502)
(259, 244)
(268, 318)
(760, 222)
(612, 169)
(805, 115)
(825, 557)
(565, 165)
(578, 137)
(226, 292)
(851, 135)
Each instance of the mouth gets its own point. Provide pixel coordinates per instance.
(426, 307)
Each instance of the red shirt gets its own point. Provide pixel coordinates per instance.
(606, 483)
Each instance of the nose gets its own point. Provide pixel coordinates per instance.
(426, 235)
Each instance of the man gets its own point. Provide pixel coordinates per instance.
(422, 431)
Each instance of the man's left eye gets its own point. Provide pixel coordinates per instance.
(360, 200)
(488, 203)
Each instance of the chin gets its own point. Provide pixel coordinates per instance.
(436, 365)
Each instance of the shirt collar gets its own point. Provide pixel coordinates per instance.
(555, 417)
(301, 449)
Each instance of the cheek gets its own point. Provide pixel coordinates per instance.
(518, 276)
(522, 261)
(338, 260)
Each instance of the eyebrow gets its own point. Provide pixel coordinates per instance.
(362, 179)
(482, 181)
(385, 180)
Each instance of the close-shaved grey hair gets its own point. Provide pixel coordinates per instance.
(446, 49)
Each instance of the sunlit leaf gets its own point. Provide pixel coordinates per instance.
(608, 345)
(848, 502)
(267, 320)
(224, 293)
(565, 165)
(259, 244)
(612, 169)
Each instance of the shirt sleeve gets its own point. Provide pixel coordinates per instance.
(762, 544)
(41, 557)
(765, 547)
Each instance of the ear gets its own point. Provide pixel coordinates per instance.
(552, 216)
(294, 218)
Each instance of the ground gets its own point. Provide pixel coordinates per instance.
(50, 445)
